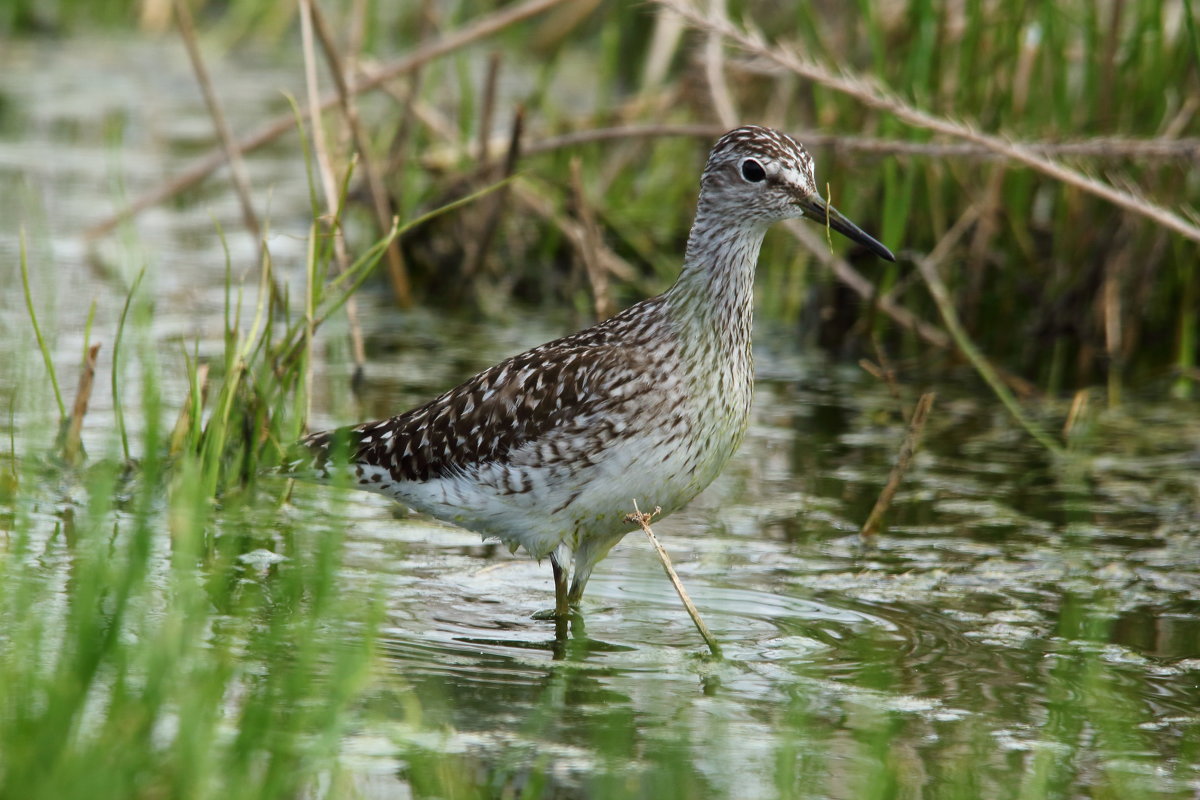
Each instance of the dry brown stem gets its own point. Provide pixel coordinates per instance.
(811, 238)
(668, 32)
(912, 438)
(72, 444)
(714, 71)
(589, 246)
(273, 129)
(871, 94)
(229, 147)
(643, 521)
(1110, 148)
(884, 371)
(406, 97)
(397, 273)
(495, 205)
(530, 196)
(487, 108)
(329, 183)
(1079, 404)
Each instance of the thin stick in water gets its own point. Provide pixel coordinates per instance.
(72, 446)
(643, 520)
(916, 425)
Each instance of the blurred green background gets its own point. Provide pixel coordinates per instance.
(1060, 286)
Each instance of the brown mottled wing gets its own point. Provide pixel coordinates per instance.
(491, 415)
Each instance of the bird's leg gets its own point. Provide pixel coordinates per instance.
(576, 594)
(561, 609)
(586, 557)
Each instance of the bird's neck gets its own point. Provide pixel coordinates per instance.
(715, 290)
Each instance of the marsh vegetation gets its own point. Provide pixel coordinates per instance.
(174, 621)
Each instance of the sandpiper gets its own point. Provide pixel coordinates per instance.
(549, 450)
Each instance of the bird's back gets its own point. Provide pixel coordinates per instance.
(551, 448)
(550, 445)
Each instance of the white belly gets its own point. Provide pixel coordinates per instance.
(528, 502)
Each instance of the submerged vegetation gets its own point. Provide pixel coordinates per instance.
(173, 623)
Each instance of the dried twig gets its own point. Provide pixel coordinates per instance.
(397, 273)
(329, 184)
(643, 520)
(714, 71)
(1079, 404)
(487, 108)
(811, 239)
(72, 444)
(882, 370)
(588, 246)
(494, 207)
(273, 129)
(668, 31)
(872, 94)
(529, 194)
(916, 425)
(1111, 148)
(1113, 297)
(406, 98)
(229, 147)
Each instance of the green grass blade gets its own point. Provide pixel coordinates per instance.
(118, 410)
(37, 331)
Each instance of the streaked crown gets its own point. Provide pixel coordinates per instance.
(758, 173)
(756, 176)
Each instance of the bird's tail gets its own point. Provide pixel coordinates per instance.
(321, 456)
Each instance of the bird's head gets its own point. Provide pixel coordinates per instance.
(760, 176)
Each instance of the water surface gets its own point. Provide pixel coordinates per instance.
(1015, 609)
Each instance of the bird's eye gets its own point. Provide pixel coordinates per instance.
(753, 171)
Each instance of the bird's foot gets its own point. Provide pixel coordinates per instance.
(555, 614)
